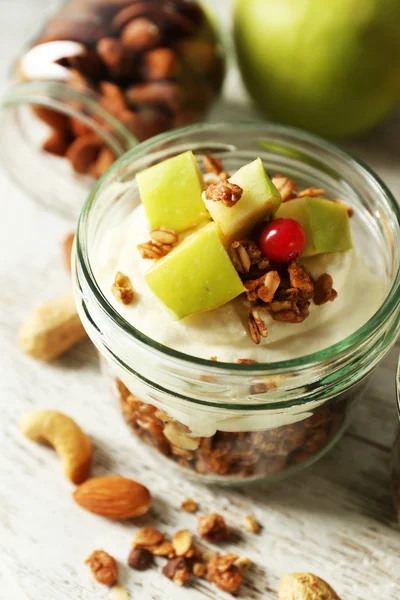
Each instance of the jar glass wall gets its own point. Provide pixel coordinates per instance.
(100, 75)
(232, 422)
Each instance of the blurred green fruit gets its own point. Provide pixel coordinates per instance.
(330, 66)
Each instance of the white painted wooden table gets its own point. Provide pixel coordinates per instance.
(336, 519)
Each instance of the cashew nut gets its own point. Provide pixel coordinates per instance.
(65, 436)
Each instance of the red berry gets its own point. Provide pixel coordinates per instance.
(283, 240)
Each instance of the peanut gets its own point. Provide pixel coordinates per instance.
(65, 436)
(305, 586)
(51, 329)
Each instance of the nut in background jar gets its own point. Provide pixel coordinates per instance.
(151, 64)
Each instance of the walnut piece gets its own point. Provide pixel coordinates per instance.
(224, 191)
(285, 186)
(104, 567)
(324, 291)
(222, 571)
(122, 288)
(212, 527)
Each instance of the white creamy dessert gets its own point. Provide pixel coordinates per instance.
(222, 332)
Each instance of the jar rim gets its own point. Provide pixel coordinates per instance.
(331, 353)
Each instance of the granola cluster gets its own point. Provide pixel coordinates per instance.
(238, 455)
(284, 291)
(186, 558)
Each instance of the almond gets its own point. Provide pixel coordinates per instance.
(113, 497)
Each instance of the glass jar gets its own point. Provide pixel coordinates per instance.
(234, 422)
(101, 75)
(396, 450)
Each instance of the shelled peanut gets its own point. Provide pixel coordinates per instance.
(153, 65)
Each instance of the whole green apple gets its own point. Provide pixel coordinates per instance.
(330, 66)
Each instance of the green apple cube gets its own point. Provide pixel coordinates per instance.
(196, 276)
(171, 193)
(325, 223)
(260, 198)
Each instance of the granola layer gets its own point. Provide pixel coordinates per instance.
(236, 454)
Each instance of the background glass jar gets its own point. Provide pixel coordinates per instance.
(102, 74)
(231, 422)
(396, 450)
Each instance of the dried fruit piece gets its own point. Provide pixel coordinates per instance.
(147, 536)
(212, 527)
(177, 570)
(113, 497)
(104, 567)
(251, 524)
(65, 436)
(189, 505)
(122, 288)
(140, 559)
(222, 571)
(305, 586)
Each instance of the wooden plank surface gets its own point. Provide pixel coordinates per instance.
(336, 519)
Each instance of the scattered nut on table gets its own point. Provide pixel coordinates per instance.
(65, 436)
(113, 497)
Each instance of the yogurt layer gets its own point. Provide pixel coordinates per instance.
(223, 332)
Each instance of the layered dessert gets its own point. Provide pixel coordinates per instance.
(235, 268)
